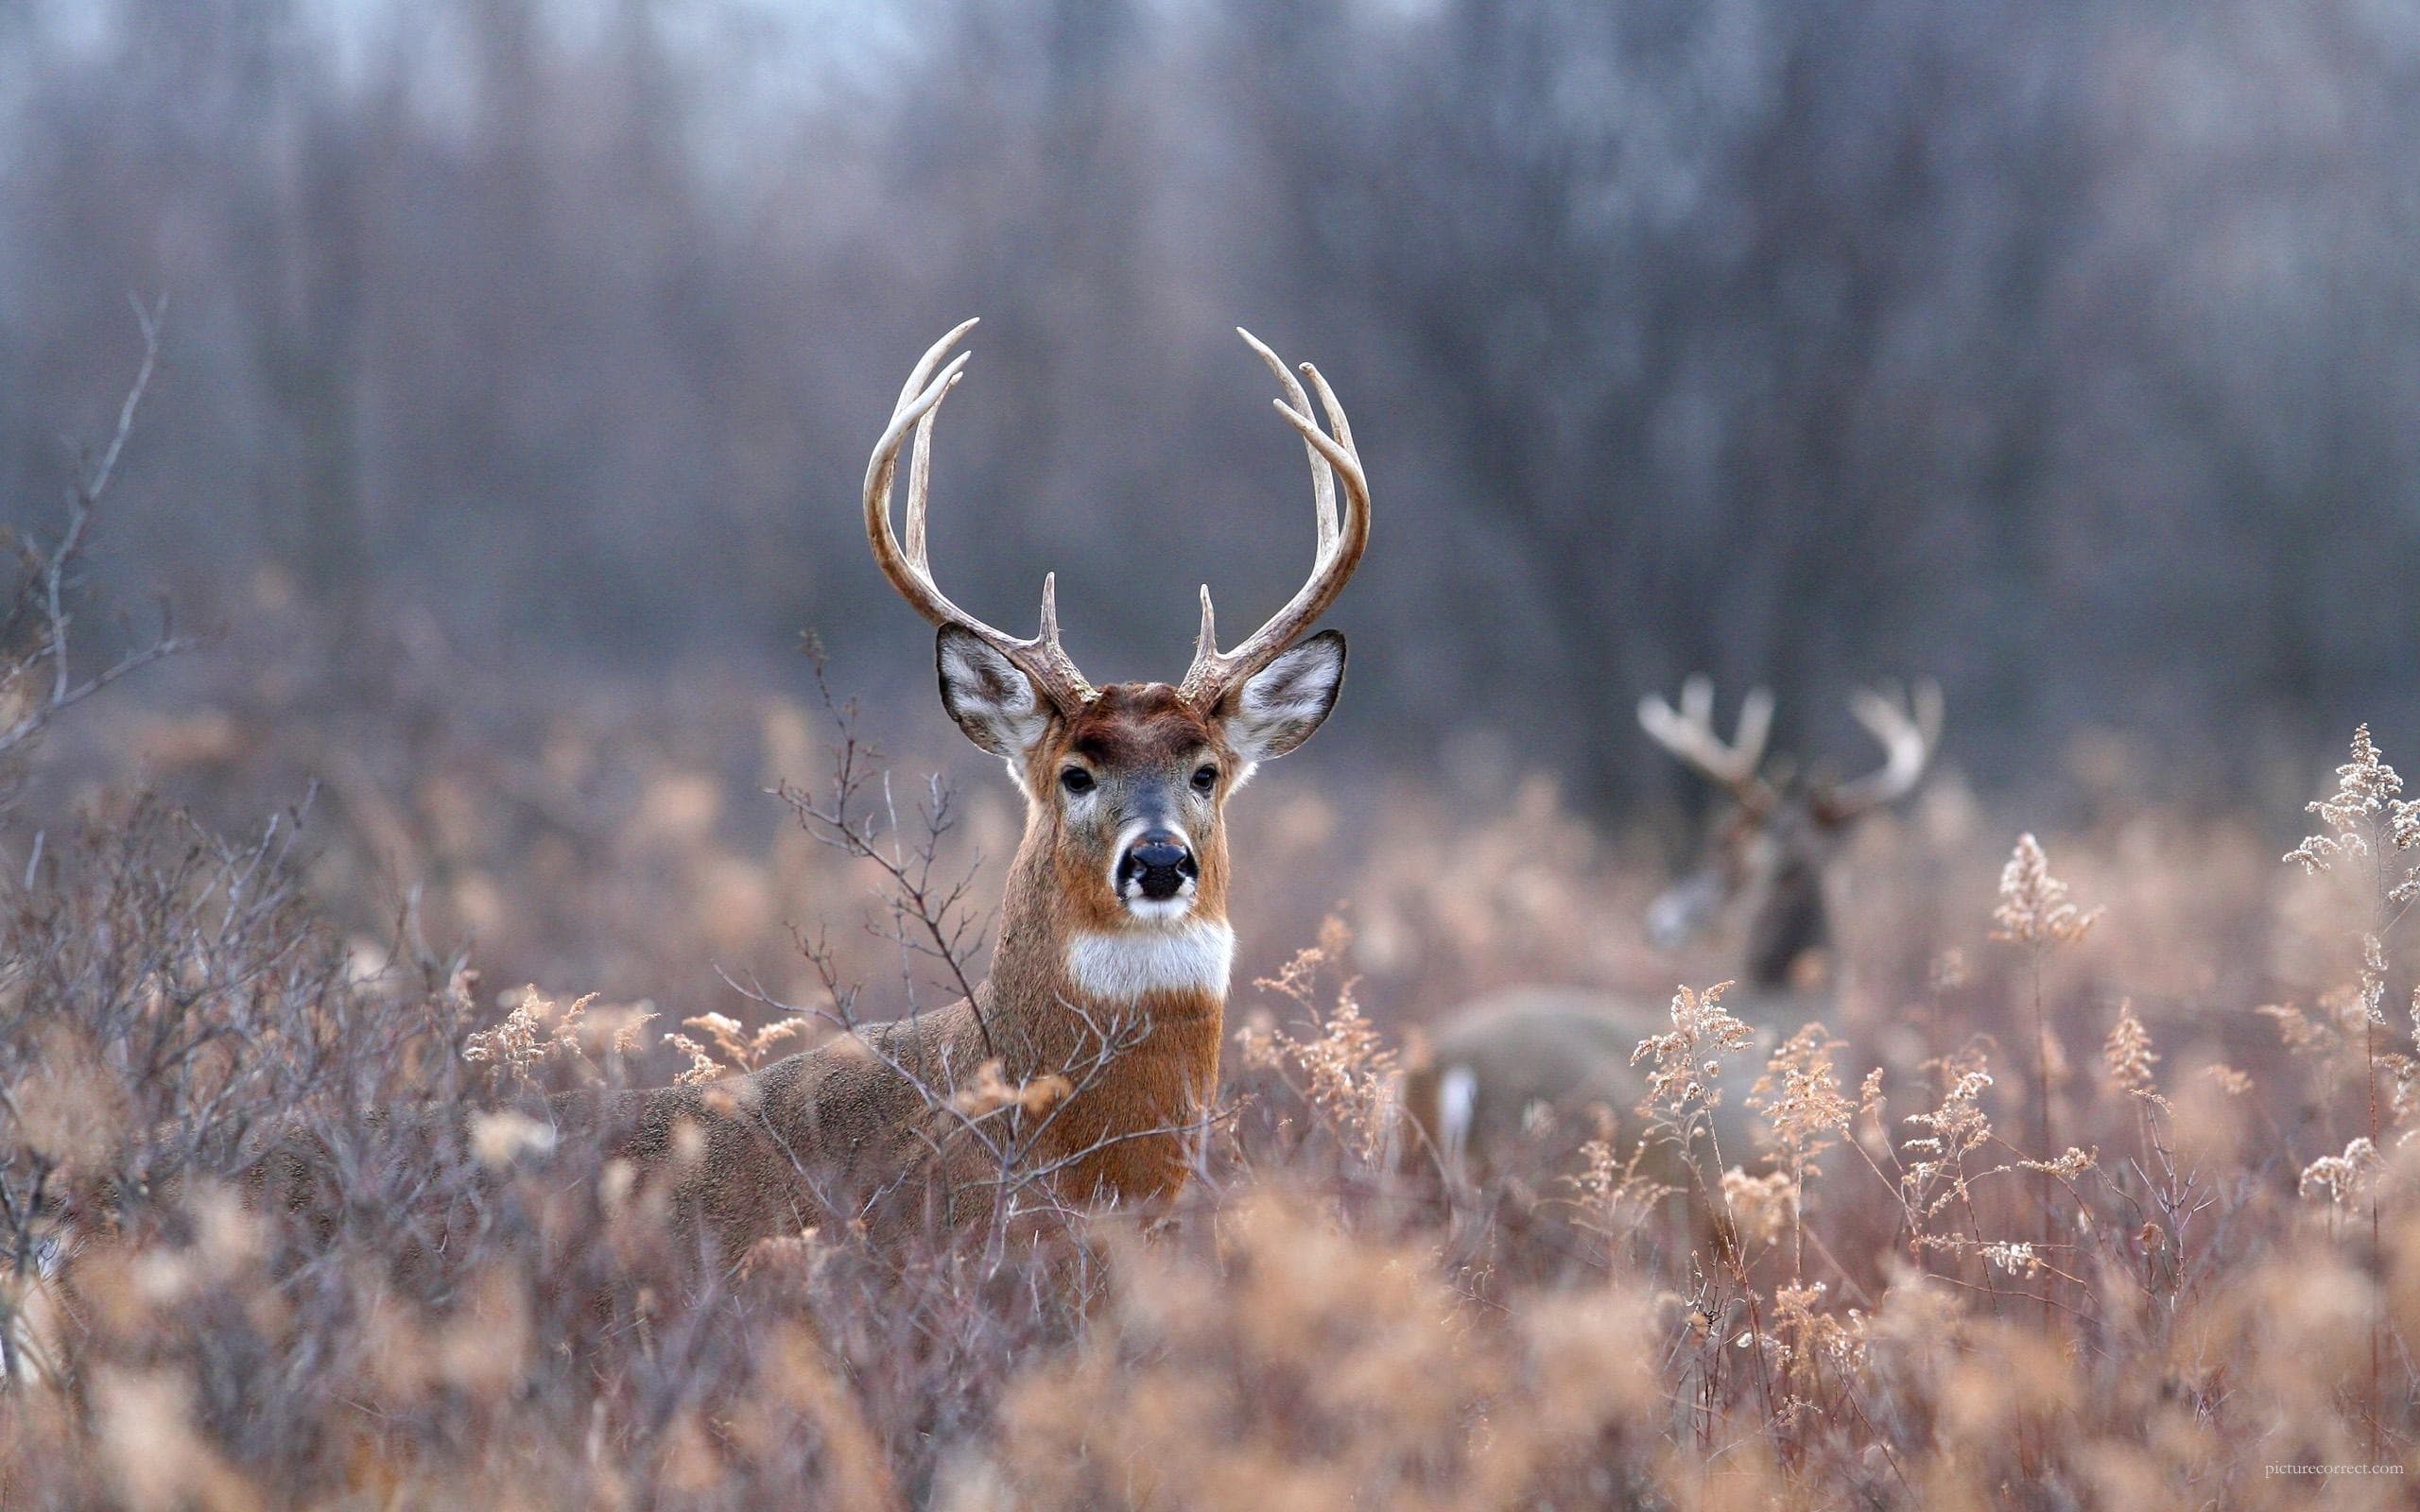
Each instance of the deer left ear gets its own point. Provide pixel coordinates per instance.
(1276, 709)
(990, 698)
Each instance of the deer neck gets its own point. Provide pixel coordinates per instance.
(1064, 973)
(1787, 985)
(1786, 925)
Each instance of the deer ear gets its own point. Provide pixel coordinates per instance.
(1276, 709)
(989, 696)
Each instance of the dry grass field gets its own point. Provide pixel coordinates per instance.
(487, 1021)
(2092, 1189)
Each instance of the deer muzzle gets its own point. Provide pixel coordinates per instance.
(1158, 866)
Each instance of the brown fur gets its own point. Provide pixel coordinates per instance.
(845, 1132)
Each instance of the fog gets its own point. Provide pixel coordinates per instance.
(2067, 353)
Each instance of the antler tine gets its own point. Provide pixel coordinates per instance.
(1687, 732)
(924, 368)
(884, 466)
(1042, 658)
(1755, 727)
(920, 460)
(1909, 735)
(1339, 551)
(1322, 477)
(1697, 701)
(920, 472)
(1336, 419)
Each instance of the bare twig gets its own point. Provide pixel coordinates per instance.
(45, 594)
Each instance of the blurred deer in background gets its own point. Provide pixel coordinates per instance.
(1493, 1069)
(1091, 1054)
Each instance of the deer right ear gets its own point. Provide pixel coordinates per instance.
(1275, 709)
(989, 696)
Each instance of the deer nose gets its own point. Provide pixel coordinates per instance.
(1158, 865)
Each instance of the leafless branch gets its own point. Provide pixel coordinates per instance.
(44, 597)
(932, 915)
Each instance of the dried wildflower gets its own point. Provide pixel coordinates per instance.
(1810, 1337)
(498, 1139)
(625, 1036)
(1298, 978)
(1608, 1186)
(1955, 1129)
(2298, 1031)
(1689, 1054)
(1948, 972)
(2365, 787)
(722, 1028)
(1800, 1097)
(1958, 1124)
(1601, 1172)
(157, 1452)
(1257, 1041)
(534, 1031)
(2033, 907)
(1039, 1095)
(1874, 1115)
(702, 1067)
(793, 1259)
(2318, 852)
(2128, 1051)
(1349, 1071)
(2069, 1167)
(1870, 1101)
(2230, 1081)
(2017, 1259)
(2341, 1176)
(1761, 1206)
(2372, 983)
(732, 1047)
(461, 995)
(2348, 1010)
(1349, 1066)
(988, 1092)
(2404, 1102)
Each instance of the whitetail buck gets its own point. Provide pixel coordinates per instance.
(1494, 1069)
(1111, 966)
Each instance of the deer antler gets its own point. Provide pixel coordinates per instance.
(1042, 658)
(1336, 553)
(1688, 733)
(1909, 735)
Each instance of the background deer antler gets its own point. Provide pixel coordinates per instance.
(1909, 734)
(1336, 553)
(1688, 733)
(1042, 658)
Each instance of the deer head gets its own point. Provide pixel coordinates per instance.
(1766, 850)
(1126, 785)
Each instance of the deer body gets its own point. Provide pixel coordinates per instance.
(850, 1132)
(1499, 1074)
(1081, 1069)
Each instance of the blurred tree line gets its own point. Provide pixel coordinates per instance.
(2066, 351)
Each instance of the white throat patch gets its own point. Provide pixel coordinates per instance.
(1121, 965)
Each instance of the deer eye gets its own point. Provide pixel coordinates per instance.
(1075, 780)
(1205, 779)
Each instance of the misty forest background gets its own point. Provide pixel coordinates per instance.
(519, 367)
(2058, 351)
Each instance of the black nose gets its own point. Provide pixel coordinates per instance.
(1159, 864)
